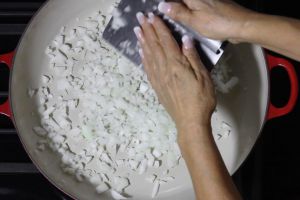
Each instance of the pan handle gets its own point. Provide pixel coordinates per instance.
(8, 60)
(5, 109)
(273, 62)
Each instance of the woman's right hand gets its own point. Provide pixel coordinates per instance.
(215, 19)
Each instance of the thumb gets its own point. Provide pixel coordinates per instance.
(192, 55)
(176, 11)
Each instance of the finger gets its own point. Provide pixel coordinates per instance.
(192, 3)
(144, 51)
(165, 37)
(146, 64)
(150, 37)
(176, 11)
(192, 55)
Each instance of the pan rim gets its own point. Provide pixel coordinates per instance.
(36, 163)
(11, 97)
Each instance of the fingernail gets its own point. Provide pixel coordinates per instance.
(164, 7)
(138, 32)
(141, 52)
(187, 42)
(140, 17)
(151, 17)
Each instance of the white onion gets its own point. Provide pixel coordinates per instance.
(155, 189)
(120, 183)
(117, 195)
(151, 178)
(102, 188)
(40, 131)
(118, 22)
(99, 112)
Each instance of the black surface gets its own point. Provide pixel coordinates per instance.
(270, 172)
(272, 169)
(19, 178)
(27, 187)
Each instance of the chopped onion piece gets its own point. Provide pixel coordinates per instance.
(117, 195)
(102, 188)
(155, 189)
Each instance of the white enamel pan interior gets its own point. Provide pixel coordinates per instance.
(245, 108)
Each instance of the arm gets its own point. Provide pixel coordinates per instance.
(279, 34)
(185, 89)
(225, 20)
(211, 179)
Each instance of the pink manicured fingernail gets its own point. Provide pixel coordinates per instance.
(141, 52)
(187, 42)
(164, 7)
(140, 17)
(151, 17)
(138, 32)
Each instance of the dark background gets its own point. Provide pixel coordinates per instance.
(272, 170)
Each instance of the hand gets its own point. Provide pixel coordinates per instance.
(185, 89)
(215, 19)
(182, 83)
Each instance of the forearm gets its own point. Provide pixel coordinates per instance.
(279, 34)
(225, 20)
(210, 177)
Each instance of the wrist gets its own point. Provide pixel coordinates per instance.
(192, 132)
(249, 28)
(242, 22)
(192, 126)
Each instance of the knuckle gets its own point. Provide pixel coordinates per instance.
(164, 37)
(185, 62)
(150, 77)
(177, 12)
(155, 44)
(176, 72)
(174, 13)
(189, 18)
(181, 13)
(182, 61)
(167, 79)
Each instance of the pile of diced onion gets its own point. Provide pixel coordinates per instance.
(100, 114)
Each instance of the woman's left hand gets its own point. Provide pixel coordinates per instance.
(182, 83)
